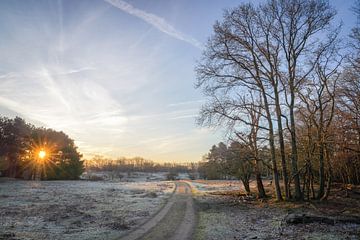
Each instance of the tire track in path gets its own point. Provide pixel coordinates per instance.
(175, 221)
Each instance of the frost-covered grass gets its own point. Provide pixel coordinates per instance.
(124, 176)
(77, 209)
(210, 186)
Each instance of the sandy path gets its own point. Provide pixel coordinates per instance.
(175, 221)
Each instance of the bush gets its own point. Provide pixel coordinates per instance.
(192, 176)
(96, 178)
(171, 176)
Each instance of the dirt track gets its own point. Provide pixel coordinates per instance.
(175, 221)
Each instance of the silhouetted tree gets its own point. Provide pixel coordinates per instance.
(20, 144)
(14, 141)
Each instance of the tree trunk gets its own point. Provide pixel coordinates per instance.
(272, 148)
(246, 184)
(282, 145)
(321, 152)
(312, 185)
(259, 183)
(260, 186)
(294, 153)
(321, 172)
(275, 171)
(328, 187)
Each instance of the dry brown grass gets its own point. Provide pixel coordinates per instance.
(343, 200)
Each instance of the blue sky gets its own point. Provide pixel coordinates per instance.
(117, 76)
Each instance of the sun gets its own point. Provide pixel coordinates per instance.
(41, 158)
(42, 154)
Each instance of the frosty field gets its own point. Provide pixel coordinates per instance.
(77, 209)
(109, 209)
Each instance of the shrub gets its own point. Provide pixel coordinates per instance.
(171, 176)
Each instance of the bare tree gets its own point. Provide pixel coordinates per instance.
(232, 65)
(320, 99)
(297, 29)
(242, 118)
(271, 49)
(348, 112)
(254, 112)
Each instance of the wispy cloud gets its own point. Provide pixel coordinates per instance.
(78, 70)
(184, 117)
(156, 21)
(61, 100)
(185, 103)
(178, 114)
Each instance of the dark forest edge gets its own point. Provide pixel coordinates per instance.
(20, 144)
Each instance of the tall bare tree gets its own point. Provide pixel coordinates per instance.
(320, 101)
(298, 26)
(271, 49)
(233, 64)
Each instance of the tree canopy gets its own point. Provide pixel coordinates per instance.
(33, 152)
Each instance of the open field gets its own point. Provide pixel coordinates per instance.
(77, 209)
(111, 209)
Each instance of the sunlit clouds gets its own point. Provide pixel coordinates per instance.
(87, 111)
(116, 76)
(60, 100)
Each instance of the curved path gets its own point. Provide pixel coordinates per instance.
(175, 221)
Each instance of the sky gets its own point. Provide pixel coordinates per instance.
(116, 75)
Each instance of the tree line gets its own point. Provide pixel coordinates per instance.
(284, 83)
(136, 164)
(31, 152)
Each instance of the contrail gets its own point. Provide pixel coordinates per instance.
(155, 21)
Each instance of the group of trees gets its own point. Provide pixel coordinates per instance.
(21, 144)
(279, 76)
(237, 160)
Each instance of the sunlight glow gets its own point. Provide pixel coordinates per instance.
(41, 158)
(42, 154)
